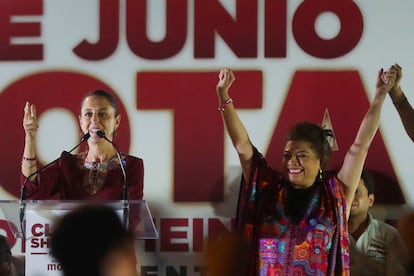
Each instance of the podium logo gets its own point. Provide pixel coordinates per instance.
(41, 234)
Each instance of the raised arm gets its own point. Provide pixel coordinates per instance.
(30, 128)
(350, 172)
(232, 122)
(404, 109)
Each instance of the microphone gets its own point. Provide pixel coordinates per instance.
(101, 134)
(84, 138)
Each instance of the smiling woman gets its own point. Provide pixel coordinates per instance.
(306, 154)
(295, 218)
(97, 173)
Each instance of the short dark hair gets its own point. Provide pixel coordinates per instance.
(105, 94)
(368, 181)
(85, 236)
(5, 252)
(316, 136)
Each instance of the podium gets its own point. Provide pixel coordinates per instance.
(32, 220)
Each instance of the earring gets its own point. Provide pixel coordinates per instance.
(320, 176)
(114, 133)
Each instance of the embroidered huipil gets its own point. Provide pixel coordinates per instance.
(292, 232)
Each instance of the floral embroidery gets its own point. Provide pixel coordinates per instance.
(95, 172)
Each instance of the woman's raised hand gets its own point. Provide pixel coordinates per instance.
(226, 79)
(30, 123)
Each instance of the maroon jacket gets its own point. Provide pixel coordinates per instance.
(64, 180)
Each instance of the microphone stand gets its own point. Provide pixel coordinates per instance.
(22, 207)
(125, 201)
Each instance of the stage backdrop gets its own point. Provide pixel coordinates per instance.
(294, 60)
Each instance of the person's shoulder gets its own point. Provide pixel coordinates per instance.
(382, 224)
(259, 159)
(71, 159)
(332, 180)
(129, 156)
(68, 155)
(18, 262)
(132, 158)
(384, 228)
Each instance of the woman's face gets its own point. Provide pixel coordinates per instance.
(98, 114)
(300, 164)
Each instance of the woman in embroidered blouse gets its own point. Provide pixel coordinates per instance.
(295, 218)
(94, 174)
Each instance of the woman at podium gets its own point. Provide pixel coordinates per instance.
(99, 172)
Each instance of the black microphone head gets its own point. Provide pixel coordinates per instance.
(100, 133)
(85, 137)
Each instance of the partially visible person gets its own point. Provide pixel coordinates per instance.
(10, 265)
(376, 247)
(225, 254)
(92, 241)
(400, 101)
(295, 219)
(406, 228)
(92, 174)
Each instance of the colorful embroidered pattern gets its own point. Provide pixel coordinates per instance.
(285, 245)
(95, 172)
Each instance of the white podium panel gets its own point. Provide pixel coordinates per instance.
(33, 220)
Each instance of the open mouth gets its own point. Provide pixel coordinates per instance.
(295, 171)
(93, 131)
